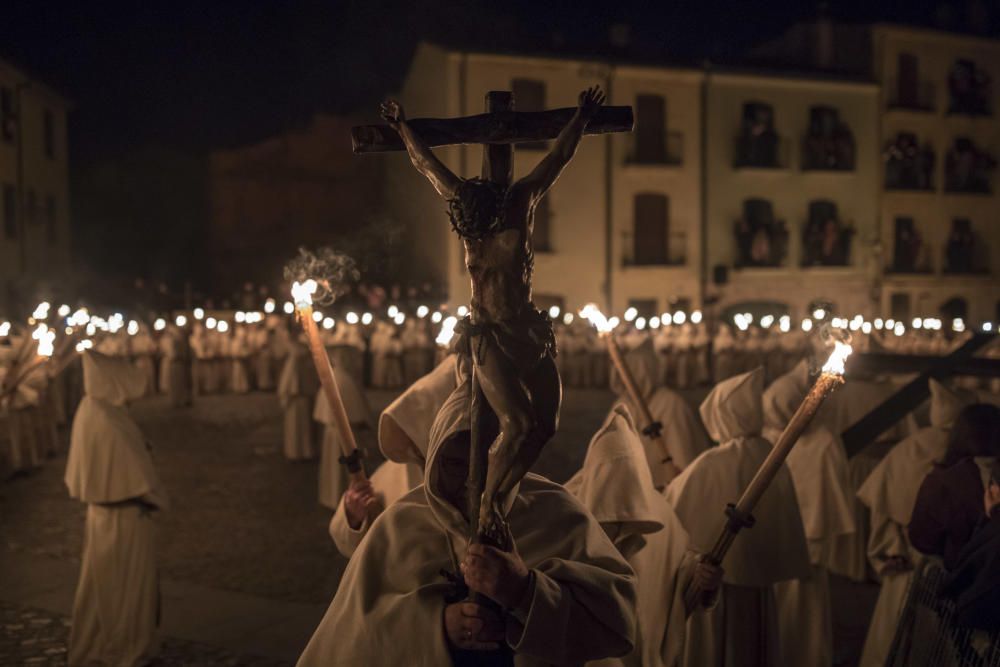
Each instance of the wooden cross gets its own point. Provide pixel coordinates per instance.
(499, 129)
(909, 397)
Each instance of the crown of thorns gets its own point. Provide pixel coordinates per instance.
(476, 210)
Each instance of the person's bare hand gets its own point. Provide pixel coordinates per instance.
(498, 575)
(591, 100)
(359, 499)
(707, 577)
(471, 627)
(392, 112)
(992, 497)
(894, 564)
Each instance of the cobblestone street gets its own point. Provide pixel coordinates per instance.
(243, 520)
(247, 566)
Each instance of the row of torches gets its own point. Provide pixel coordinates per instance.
(739, 514)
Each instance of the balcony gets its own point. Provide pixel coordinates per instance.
(908, 165)
(967, 169)
(828, 153)
(968, 90)
(667, 152)
(654, 253)
(916, 96)
(826, 243)
(760, 243)
(763, 151)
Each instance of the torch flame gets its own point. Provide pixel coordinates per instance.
(597, 318)
(302, 293)
(447, 331)
(835, 364)
(45, 338)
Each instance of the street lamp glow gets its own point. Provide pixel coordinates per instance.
(366, 318)
(223, 326)
(181, 321)
(436, 317)
(767, 321)
(399, 318)
(680, 317)
(352, 318)
(317, 316)
(269, 306)
(640, 323)
(288, 307)
(133, 328)
(199, 313)
(554, 312)
(462, 311)
(160, 324)
(654, 322)
(630, 314)
(64, 310)
(211, 323)
(567, 318)
(899, 329)
(916, 323)
(392, 311)
(240, 317)
(807, 325)
(785, 323)
(866, 327)
(879, 323)
(819, 314)
(696, 317)
(987, 327)
(422, 311)
(327, 323)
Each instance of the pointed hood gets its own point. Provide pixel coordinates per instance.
(615, 483)
(782, 398)
(112, 380)
(109, 460)
(644, 363)
(947, 403)
(404, 427)
(733, 408)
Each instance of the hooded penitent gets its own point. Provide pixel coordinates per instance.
(297, 388)
(404, 427)
(890, 493)
(390, 604)
(616, 487)
(108, 458)
(773, 550)
(116, 606)
(818, 465)
(682, 433)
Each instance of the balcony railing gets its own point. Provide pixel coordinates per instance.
(919, 97)
(760, 152)
(668, 153)
(827, 153)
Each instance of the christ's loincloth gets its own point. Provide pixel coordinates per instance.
(524, 340)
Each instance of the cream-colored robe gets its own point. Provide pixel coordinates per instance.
(890, 493)
(297, 389)
(404, 428)
(116, 609)
(390, 604)
(742, 629)
(616, 487)
(818, 465)
(682, 433)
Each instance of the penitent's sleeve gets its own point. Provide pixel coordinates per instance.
(344, 537)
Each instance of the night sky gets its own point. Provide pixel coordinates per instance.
(184, 77)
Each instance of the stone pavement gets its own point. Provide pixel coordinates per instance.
(247, 566)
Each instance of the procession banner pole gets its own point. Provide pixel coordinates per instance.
(740, 515)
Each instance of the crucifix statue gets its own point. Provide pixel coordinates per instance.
(510, 342)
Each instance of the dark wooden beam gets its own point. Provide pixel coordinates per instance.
(882, 362)
(907, 399)
(504, 127)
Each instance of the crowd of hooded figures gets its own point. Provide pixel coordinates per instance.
(604, 559)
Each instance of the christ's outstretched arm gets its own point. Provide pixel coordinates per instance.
(443, 180)
(541, 178)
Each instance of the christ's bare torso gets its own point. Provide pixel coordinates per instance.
(500, 266)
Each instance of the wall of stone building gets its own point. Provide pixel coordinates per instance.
(39, 251)
(304, 188)
(680, 183)
(790, 188)
(934, 210)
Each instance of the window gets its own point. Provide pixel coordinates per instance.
(541, 236)
(757, 144)
(529, 95)
(650, 130)
(49, 136)
(899, 306)
(9, 211)
(51, 222)
(908, 254)
(644, 307)
(7, 118)
(910, 91)
(651, 229)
